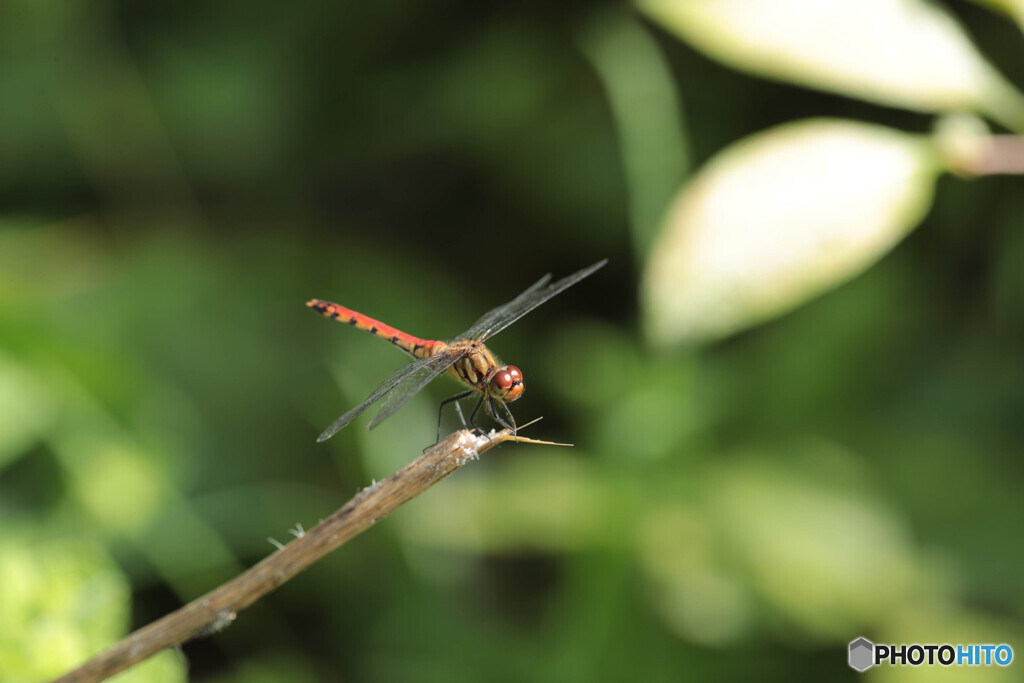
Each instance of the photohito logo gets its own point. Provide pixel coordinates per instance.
(864, 654)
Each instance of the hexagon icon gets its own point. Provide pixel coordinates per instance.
(862, 654)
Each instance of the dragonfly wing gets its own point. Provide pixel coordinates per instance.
(393, 380)
(492, 316)
(411, 386)
(503, 316)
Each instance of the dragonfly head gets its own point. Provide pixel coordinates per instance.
(507, 384)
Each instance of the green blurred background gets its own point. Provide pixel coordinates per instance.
(176, 180)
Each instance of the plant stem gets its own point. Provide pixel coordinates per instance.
(218, 608)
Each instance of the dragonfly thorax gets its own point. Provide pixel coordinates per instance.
(479, 368)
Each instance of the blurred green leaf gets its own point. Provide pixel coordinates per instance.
(827, 556)
(906, 53)
(648, 116)
(63, 601)
(1013, 8)
(778, 218)
(548, 501)
(271, 667)
(118, 485)
(27, 407)
(595, 359)
(698, 595)
(939, 622)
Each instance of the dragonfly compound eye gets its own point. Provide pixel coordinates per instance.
(507, 384)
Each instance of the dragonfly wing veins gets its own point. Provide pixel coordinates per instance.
(498, 319)
(412, 384)
(435, 364)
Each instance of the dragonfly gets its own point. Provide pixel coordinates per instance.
(465, 357)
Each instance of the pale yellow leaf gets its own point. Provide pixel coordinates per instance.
(906, 53)
(779, 217)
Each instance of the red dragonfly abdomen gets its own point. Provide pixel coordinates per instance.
(414, 346)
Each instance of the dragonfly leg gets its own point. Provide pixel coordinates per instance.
(458, 410)
(497, 418)
(510, 419)
(472, 418)
(454, 399)
(476, 409)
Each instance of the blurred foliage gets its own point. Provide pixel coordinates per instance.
(177, 180)
(64, 599)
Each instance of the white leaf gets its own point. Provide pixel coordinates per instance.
(779, 217)
(905, 53)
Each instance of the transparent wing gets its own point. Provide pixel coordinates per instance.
(501, 317)
(411, 386)
(408, 379)
(492, 316)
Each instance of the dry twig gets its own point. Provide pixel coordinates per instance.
(218, 608)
